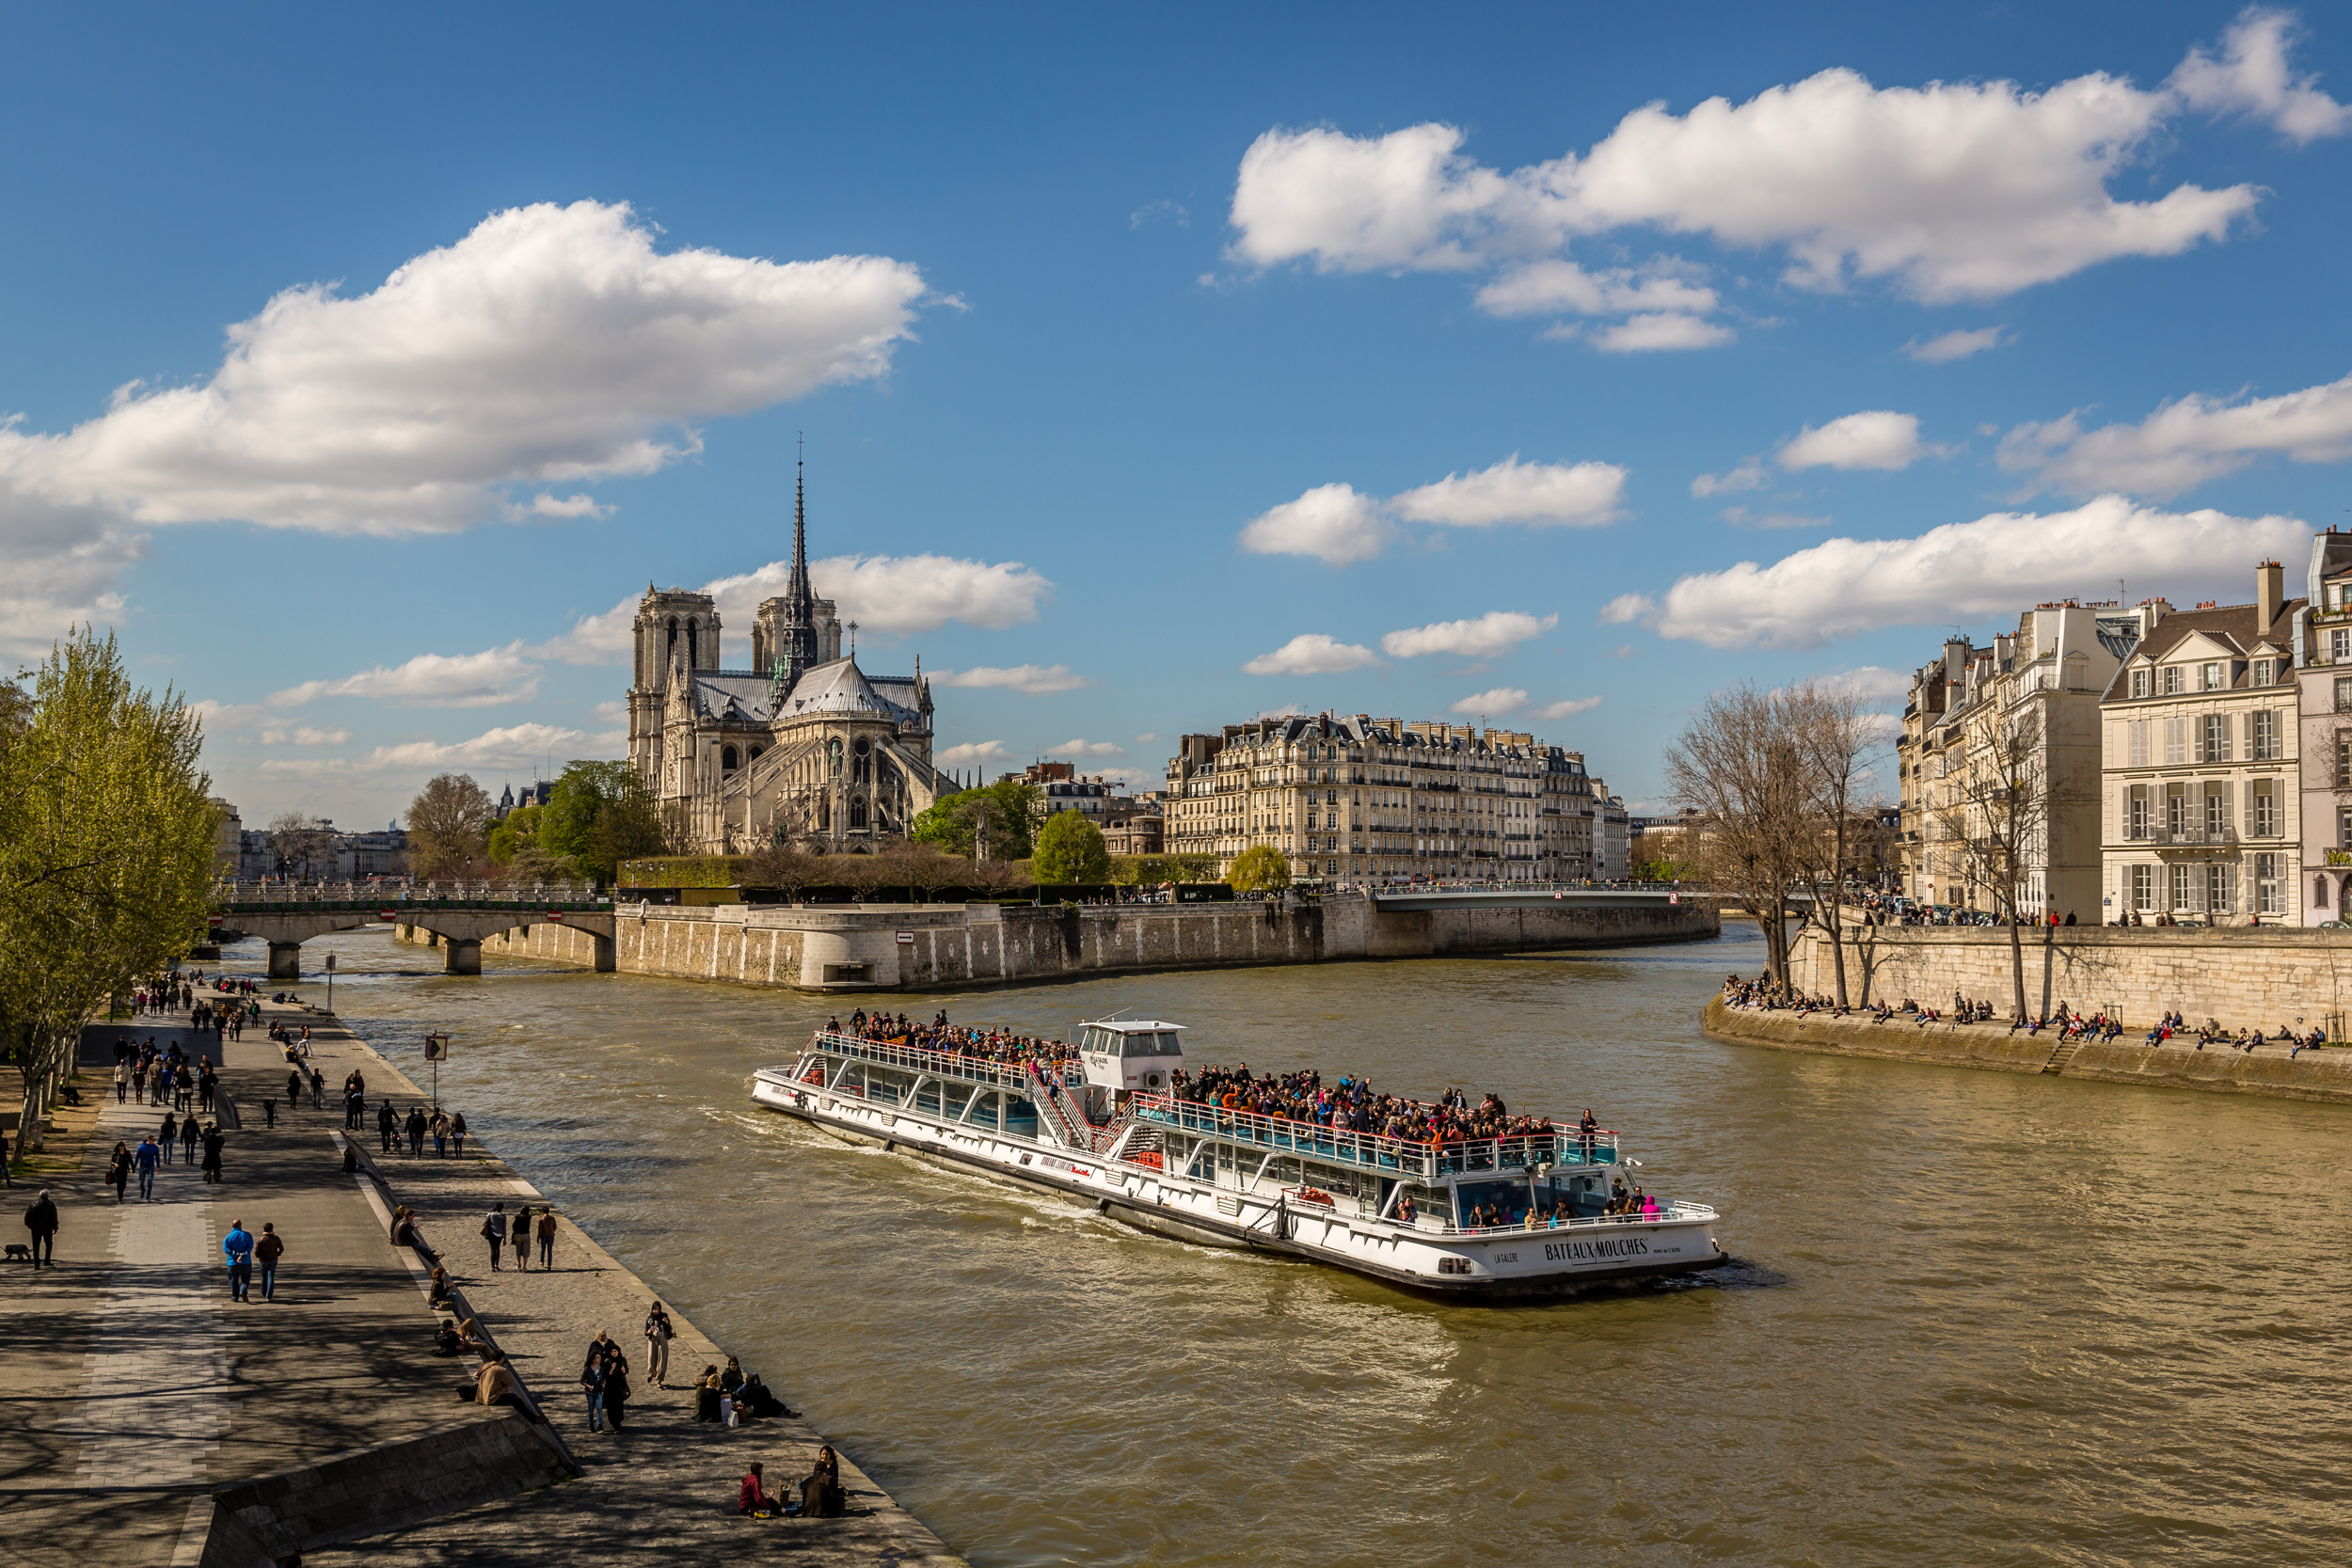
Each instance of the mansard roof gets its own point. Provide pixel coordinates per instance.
(2226, 631)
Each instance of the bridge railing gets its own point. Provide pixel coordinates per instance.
(277, 894)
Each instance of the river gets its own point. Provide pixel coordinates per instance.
(1979, 1318)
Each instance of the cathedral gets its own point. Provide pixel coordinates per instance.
(804, 747)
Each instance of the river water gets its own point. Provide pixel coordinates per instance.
(1979, 1318)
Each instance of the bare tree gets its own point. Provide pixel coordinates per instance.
(1739, 762)
(449, 825)
(786, 869)
(301, 845)
(1838, 740)
(1994, 808)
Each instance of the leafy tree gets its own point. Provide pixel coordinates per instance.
(600, 814)
(448, 828)
(1069, 850)
(1002, 817)
(1152, 870)
(106, 841)
(1260, 868)
(517, 831)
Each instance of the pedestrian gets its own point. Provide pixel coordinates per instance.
(214, 1140)
(386, 1123)
(616, 1389)
(144, 1159)
(188, 1136)
(266, 1252)
(293, 1090)
(171, 1135)
(237, 1246)
(439, 1127)
(415, 1131)
(494, 1232)
(119, 1169)
(318, 1096)
(592, 1381)
(41, 1220)
(123, 1083)
(546, 1237)
(658, 1337)
(269, 1111)
(457, 1134)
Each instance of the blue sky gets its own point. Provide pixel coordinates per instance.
(1134, 353)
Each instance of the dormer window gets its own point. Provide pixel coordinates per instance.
(2213, 681)
(2173, 679)
(2265, 671)
(2139, 682)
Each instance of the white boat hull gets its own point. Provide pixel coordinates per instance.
(1488, 1264)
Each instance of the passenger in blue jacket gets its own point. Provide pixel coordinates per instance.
(237, 1246)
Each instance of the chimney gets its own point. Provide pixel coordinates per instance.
(2269, 591)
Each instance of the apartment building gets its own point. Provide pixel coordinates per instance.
(2203, 785)
(2045, 681)
(1384, 798)
(2324, 726)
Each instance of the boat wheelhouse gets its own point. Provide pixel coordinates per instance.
(1110, 1130)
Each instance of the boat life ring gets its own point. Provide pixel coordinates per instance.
(1148, 1158)
(1311, 1194)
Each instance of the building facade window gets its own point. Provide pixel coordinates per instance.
(2262, 734)
(2144, 886)
(2140, 683)
(2212, 678)
(2213, 740)
(2172, 679)
(2265, 804)
(2183, 885)
(2136, 742)
(2220, 888)
(2266, 884)
(2135, 811)
(2217, 810)
(2340, 646)
(2176, 807)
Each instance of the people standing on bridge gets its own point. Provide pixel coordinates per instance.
(42, 1221)
(494, 1232)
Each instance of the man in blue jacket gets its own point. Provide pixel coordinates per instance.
(144, 1159)
(238, 1248)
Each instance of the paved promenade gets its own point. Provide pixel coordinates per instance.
(132, 1386)
(144, 1389)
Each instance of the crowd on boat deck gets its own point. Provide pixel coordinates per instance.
(986, 1045)
(1354, 1106)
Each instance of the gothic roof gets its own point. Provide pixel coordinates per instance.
(841, 688)
(732, 697)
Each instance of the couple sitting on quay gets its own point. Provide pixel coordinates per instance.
(821, 1497)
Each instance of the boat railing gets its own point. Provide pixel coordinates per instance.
(1677, 1211)
(943, 1064)
(1560, 1145)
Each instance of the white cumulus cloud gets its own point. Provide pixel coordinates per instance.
(1993, 566)
(1081, 747)
(552, 345)
(2252, 77)
(971, 752)
(1943, 349)
(1749, 475)
(1878, 440)
(514, 746)
(1310, 653)
(1035, 679)
(433, 680)
(1490, 636)
(1501, 703)
(1948, 191)
(1568, 493)
(1331, 522)
(1566, 710)
(2183, 443)
(304, 734)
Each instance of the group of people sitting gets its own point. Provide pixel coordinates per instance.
(2175, 1025)
(1002, 1046)
(1353, 1105)
(730, 1397)
(1624, 1203)
(821, 1497)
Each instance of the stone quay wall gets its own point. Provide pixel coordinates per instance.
(2262, 976)
(2324, 1075)
(957, 946)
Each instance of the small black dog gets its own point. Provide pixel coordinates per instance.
(20, 1253)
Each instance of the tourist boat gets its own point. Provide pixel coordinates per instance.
(1108, 1133)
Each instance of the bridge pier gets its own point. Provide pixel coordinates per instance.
(462, 956)
(285, 961)
(608, 959)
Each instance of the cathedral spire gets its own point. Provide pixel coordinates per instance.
(800, 616)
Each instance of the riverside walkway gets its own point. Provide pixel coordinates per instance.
(147, 1391)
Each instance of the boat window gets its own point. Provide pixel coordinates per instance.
(1510, 1198)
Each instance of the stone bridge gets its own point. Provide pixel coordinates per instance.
(287, 916)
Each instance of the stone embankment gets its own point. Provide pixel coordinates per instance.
(2240, 978)
(2178, 1064)
(958, 946)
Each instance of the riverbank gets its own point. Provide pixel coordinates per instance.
(2321, 1075)
(922, 947)
(302, 1424)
